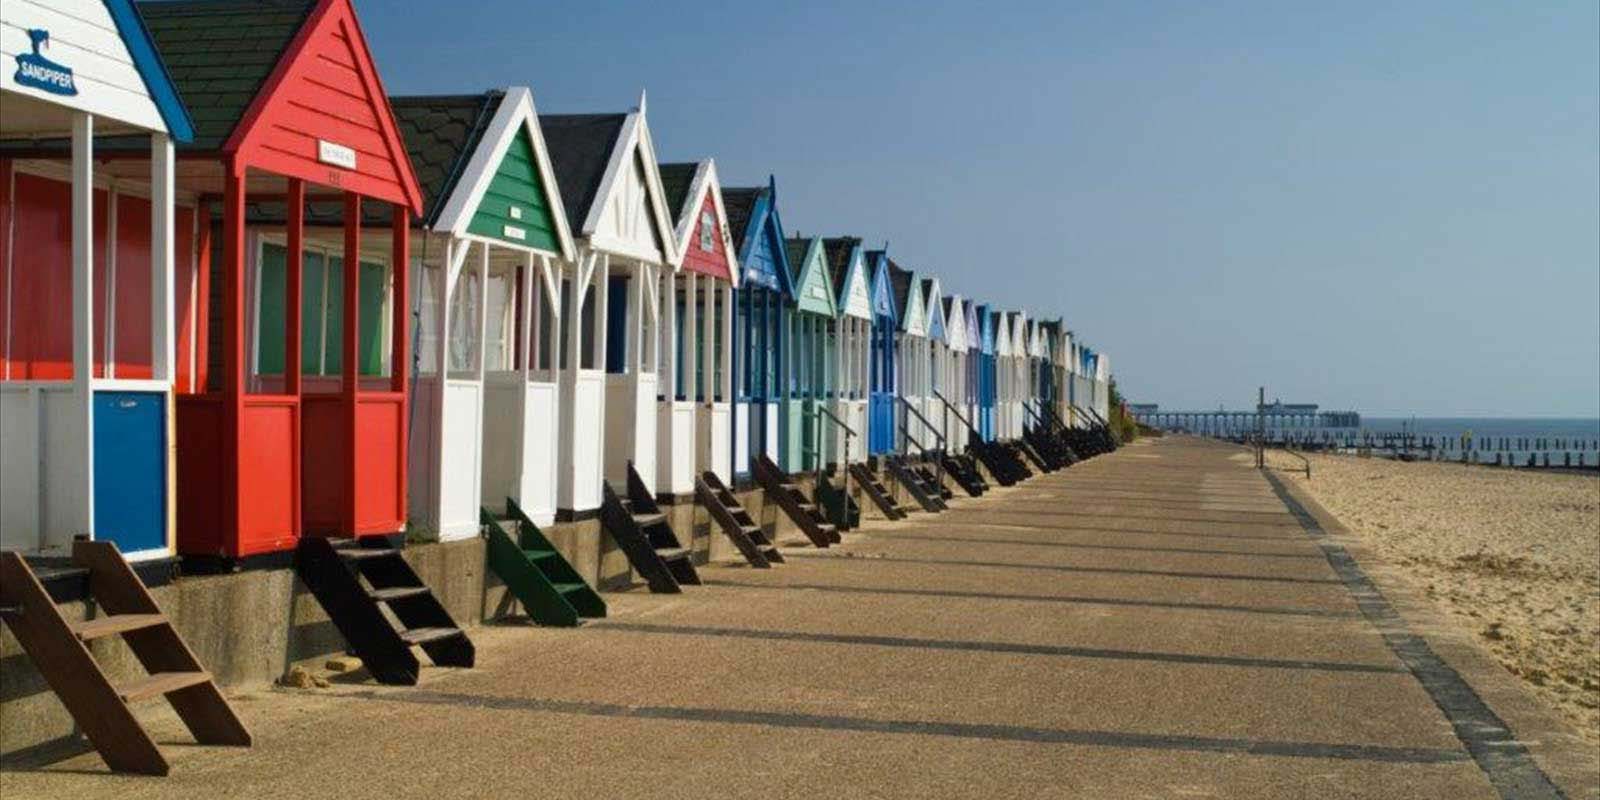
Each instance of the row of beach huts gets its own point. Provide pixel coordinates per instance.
(546, 326)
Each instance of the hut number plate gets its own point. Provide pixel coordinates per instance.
(337, 155)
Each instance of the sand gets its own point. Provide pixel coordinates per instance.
(1512, 556)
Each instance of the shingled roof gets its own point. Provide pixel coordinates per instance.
(441, 133)
(219, 53)
(796, 247)
(676, 179)
(900, 280)
(740, 203)
(838, 249)
(580, 147)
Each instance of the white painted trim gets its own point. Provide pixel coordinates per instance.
(83, 302)
(633, 142)
(705, 180)
(516, 113)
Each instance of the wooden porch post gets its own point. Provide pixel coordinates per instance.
(161, 260)
(351, 347)
(233, 366)
(83, 312)
(400, 347)
(294, 279)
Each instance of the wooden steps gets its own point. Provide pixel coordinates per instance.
(100, 709)
(363, 587)
(645, 537)
(965, 473)
(921, 488)
(735, 522)
(876, 491)
(781, 489)
(838, 507)
(550, 590)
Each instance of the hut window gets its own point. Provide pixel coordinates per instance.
(321, 313)
(708, 231)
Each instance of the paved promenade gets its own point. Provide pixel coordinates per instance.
(1161, 622)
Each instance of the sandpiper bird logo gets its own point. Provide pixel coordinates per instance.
(36, 71)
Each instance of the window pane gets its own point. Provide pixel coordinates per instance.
(271, 313)
(374, 345)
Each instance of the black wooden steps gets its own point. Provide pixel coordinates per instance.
(781, 489)
(921, 490)
(838, 507)
(58, 651)
(550, 590)
(931, 481)
(876, 491)
(645, 537)
(735, 522)
(965, 473)
(362, 588)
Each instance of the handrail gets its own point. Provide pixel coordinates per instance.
(822, 411)
(848, 431)
(959, 417)
(944, 446)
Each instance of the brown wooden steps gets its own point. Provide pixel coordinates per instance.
(643, 534)
(99, 707)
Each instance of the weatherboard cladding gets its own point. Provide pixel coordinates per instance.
(580, 148)
(760, 246)
(514, 207)
(813, 288)
(883, 303)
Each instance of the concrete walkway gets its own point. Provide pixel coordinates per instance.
(1161, 622)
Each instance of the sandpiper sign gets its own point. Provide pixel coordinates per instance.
(38, 72)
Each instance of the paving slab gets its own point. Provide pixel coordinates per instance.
(1177, 631)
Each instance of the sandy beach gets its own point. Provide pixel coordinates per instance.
(1512, 556)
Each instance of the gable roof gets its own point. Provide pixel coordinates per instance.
(220, 54)
(932, 309)
(740, 204)
(441, 132)
(752, 214)
(882, 285)
(838, 250)
(813, 282)
(686, 185)
(675, 181)
(580, 148)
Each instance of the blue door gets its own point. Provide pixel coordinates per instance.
(130, 470)
(880, 424)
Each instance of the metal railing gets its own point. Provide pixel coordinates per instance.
(950, 407)
(905, 430)
(821, 411)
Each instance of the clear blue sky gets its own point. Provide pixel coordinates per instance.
(1391, 207)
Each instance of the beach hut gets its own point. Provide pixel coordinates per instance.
(765, 287)
(884, 390)
(987, 372)
(94, 279)
(610, 371)
(291, 417)
(809, 379)
(488, 253)
(1048, 370)
(911, 358)
(1007, 405)
(851, 333)
(974, 364)
(701, 354)
(954, 407)
(935, 380)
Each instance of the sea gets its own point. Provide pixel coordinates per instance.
(1476, 427)
(1512, 441)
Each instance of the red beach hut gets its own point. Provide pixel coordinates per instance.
(301, 427)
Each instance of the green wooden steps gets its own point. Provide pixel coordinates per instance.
(550, 590)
